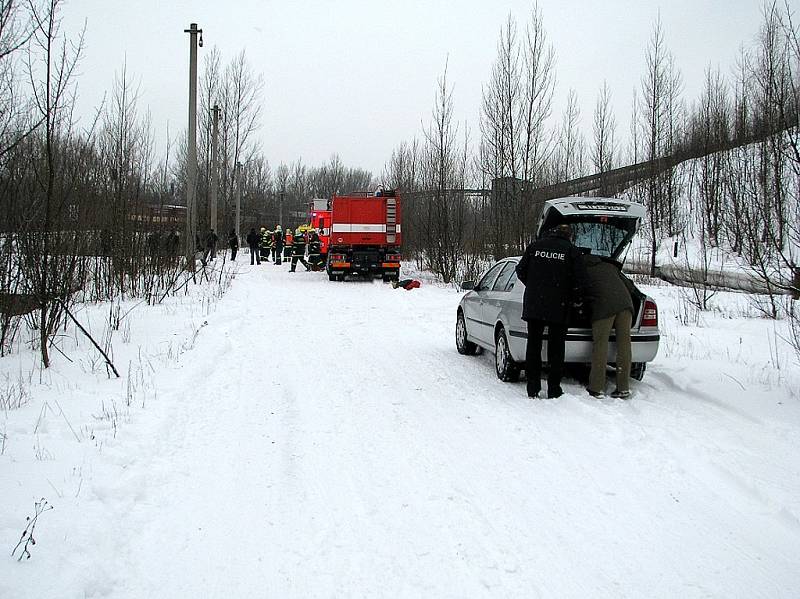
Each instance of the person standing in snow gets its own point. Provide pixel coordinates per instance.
(266, 239)
(287, 245)
(252, 243)
(211, 245)
(608, 293)
(553, 273)
(314, 250)
(277, 245)
(233, 243)
(299, 250)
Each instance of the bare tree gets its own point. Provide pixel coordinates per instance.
(402, 170)
(604, 147)
(17, 117)
(444, 172)
(571, 144)
(210, 89)
(500, 130)
(659, 112)
(51, 66)
(242, 106)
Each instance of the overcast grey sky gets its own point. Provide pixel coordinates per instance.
(357, 76)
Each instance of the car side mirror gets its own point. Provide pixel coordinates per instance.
(468, 285)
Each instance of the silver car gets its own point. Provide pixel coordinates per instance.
(489, 316)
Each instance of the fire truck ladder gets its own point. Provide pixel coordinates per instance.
(391, 220)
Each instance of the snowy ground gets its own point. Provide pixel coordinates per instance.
(301, 438)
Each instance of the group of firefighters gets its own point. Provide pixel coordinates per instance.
(281, 245)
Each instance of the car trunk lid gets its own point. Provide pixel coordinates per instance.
(600, 227)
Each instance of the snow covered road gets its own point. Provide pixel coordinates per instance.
(326, 440)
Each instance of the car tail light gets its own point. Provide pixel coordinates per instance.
(650, 314)
(392, 257)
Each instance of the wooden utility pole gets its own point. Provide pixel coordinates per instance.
(191, 154)
(238, 174)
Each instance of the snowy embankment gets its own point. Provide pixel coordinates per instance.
(715, 267)
(301, 438)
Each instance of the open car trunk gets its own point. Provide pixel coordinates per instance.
(605, 235)
(601, 227)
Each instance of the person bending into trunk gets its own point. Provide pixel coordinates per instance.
(609, 296)
(553, 273)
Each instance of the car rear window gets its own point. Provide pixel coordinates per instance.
(600, 238)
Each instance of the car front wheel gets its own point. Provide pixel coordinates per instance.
(463, 345)
(505, 366)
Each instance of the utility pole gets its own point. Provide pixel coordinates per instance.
(238, 174)
(212, 209)
(191, 155)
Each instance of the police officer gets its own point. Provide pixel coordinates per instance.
(554, 276)
(314, 250)
(299, 250)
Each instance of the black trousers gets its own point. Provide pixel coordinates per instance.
(234, 251)
(254, 257)
(302, 261)
(556, 337)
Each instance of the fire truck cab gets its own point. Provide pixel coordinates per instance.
(319, 215)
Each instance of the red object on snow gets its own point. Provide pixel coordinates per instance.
(407, 284)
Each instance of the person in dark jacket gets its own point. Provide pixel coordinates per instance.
(277, 245)
(252, 242)
(211, 245)
(553, 273)
(314, 250)
(608, 293)
(299, 250)
(233, 243)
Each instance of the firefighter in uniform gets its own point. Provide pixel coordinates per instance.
(299, 250)
(314, 250)
(266, 244)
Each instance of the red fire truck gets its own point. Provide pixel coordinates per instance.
(366, 236)
(319, 213)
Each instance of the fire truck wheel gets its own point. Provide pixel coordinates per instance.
(331, 277)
